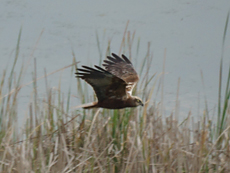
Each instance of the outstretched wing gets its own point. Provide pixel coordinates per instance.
(105, 84)
(122, 68)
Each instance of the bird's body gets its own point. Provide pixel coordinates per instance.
(114, 84)
(113, 104)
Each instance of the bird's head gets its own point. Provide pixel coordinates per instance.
(137, 101)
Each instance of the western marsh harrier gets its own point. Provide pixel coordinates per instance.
(114, 84)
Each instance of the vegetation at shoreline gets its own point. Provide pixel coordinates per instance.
(57, 139)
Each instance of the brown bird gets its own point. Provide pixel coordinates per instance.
(114, 84)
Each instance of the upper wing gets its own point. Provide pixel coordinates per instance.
(122, 68)
(105, 84)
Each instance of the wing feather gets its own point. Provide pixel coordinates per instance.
(122, 68)
(105, 84)
(126, 59)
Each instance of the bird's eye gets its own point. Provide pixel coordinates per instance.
(138, 101)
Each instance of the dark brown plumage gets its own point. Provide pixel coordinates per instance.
(114, 84)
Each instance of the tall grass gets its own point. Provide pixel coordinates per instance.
(222, 111)
(57, 139)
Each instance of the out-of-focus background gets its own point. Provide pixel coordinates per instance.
(189, 31)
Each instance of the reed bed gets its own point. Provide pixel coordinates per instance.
(58, 139)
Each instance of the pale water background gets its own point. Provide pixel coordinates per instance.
(191, 31)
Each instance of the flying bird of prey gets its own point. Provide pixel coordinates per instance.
(114, 84)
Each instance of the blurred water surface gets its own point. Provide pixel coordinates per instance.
(190, 31)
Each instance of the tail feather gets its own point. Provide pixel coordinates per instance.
(89, 107)
(86, 106)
